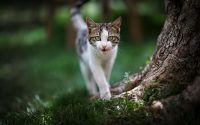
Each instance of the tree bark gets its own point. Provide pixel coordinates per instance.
(134, 20)
(174, 70)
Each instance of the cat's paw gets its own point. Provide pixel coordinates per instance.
(105, 95)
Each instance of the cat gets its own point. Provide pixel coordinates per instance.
(97, 46)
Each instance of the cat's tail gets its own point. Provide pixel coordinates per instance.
(77, 19)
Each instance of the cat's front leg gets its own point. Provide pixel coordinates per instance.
(108, 69)
(108, 65)
(90, 83)
(100, 78)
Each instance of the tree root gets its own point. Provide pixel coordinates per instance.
(133, 81)
(185, 100)
(134, 94)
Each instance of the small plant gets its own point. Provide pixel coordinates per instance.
(148, 61)
(151, 93)
(37, 103)
(126, 77)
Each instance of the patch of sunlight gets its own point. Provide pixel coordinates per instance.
(146, 8)
(24, 37)
(35, 36)
(62, 16)
(92, 10)
(37, 103)
(118, 6)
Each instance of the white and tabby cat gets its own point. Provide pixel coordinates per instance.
(97, 45)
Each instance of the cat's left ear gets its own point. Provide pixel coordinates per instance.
(117, 22)
(90, 23)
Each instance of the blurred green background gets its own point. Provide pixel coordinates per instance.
(38, 60)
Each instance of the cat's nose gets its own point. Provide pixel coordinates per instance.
(104, 46)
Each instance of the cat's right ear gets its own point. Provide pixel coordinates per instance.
(90, 22)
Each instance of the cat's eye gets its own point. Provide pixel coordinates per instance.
(111, 38)
(97, 38)
(92, 39)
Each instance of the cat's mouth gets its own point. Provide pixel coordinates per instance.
(104, 50)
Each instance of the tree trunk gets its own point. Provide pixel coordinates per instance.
(173, 74)
(50, 21)
(105, 7)
(134, 20)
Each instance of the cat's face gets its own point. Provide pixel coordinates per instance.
(104, 36)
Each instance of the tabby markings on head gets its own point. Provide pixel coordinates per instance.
(95, 31)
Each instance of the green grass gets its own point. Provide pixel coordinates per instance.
(76, 109)
(43, 83)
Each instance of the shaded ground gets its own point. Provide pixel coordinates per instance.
(47, 71)
(42, 85)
